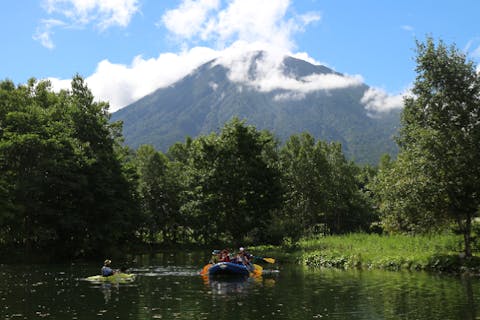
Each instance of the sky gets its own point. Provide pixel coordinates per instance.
(125, 49)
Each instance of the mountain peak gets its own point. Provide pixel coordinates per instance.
(267, 71)
(276, 92)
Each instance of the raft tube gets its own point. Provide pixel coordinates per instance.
(229, 268)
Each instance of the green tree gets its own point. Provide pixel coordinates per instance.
(247, 180)
(322, 190)
(436, 175)
(232, 188)
(107, 207)
(304, 169)
(347, 209)
(158, 191)
(61, 173)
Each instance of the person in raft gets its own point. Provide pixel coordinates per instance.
(224, 256)
(106, 269)
(243, 257)
(215, 257)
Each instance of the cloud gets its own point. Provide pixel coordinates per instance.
(239, 20)
(472, 50)
(476, 53)
(408, 28)
(44, 32)
(378, 101)
(248, 26)
(289, 96)
(241, 58)
(189, 18)
(102, 14)
(121, 84)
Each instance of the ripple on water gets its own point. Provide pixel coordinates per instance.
(173, 271)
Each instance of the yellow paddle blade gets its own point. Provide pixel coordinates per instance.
(269, 260)
(205, 269)
(257, 269)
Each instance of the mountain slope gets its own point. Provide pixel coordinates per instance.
(207, 98)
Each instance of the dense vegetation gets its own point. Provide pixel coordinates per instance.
(435, 180)
(69, 186)
(436, 252)
(63, 185)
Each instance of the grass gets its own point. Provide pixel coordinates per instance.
(395, 252)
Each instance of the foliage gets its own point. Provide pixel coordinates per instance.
(438, 252)
(322, 190)
(63, 181)
(68, 183)
(231, 188)
(158, 190)
(435, 178)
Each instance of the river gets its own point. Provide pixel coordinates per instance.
(168, 286)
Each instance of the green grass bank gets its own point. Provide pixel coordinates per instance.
(437, 253)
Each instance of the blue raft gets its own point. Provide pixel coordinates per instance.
(229, 268)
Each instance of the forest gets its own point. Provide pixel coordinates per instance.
(70, 187)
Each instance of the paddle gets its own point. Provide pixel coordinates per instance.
(257, 270)
(268, 260)
(205, 269)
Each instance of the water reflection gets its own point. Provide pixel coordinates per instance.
(224, 286)
(168, 287)
(107, 288)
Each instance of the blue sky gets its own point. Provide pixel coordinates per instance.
(127, 48)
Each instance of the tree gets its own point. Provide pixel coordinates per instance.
(158, 194)
(231, 186)
(436, 175)
(347, 209)
(304, 170)
(107, 205)
(322, 191)
(60, 170)
(247, 179)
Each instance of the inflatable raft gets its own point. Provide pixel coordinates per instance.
(230, 268)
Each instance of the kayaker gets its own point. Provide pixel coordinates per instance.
(106, 269)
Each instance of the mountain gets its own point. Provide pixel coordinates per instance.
(215, 92)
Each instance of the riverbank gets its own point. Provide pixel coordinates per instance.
(436, 253)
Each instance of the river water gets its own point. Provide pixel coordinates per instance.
(168, 286)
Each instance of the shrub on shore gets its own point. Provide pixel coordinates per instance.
(396, 252)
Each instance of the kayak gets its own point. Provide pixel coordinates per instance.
(230, 268)
(116, 278)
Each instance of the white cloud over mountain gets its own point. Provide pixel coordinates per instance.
(269, 74)
(236, 28)
(123, 84)
(377, 101)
